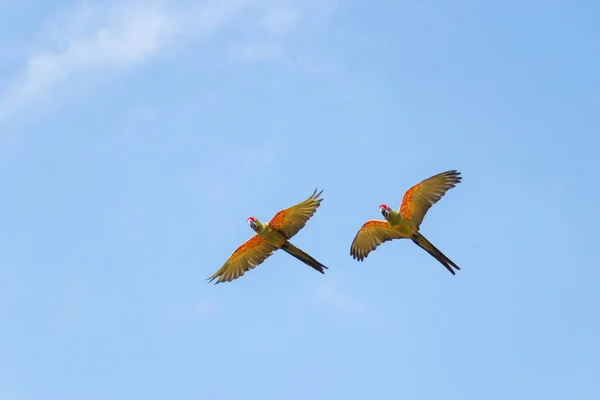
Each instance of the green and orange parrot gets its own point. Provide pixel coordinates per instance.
(405, 223)
(269, 237)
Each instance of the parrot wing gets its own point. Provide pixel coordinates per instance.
(290, 220)
(418, 199)
(247, 256)
(369, 236)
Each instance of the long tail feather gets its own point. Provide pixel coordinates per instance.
(302, 256)
(437, 254)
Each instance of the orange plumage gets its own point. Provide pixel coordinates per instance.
(405, 223)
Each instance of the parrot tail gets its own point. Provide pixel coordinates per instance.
(302, 256)
(431, 249)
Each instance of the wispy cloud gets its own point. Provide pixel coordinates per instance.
(121, 35)
(332, 297)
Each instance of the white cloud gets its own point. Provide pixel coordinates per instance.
(332, 297)
(120, 35)
(123, 37)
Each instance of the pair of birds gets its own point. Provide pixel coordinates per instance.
(401, 224)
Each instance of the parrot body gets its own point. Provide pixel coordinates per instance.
(269, 237)
(268, 234)
(405, 223)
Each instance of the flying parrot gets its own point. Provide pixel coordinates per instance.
(405, 223)
(269, 237)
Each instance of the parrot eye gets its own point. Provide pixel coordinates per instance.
(252, 224)
(385, 212)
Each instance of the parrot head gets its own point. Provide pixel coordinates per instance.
(385, 210)
(253, 223)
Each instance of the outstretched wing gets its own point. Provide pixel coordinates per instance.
(250, 254)
(372, 234)
(290, 220)
(418, 199)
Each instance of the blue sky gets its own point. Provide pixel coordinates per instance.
(137, 137)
